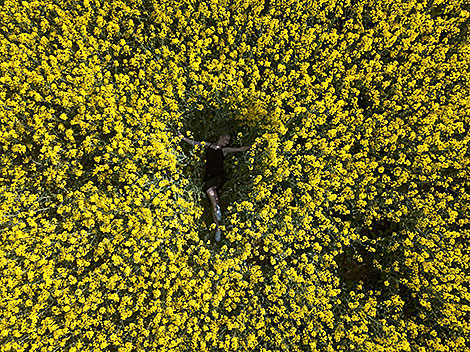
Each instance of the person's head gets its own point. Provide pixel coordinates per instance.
(224, 136)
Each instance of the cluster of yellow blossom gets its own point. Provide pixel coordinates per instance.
(346, 224)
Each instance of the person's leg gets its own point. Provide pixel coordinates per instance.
(214, 198)
(216, 213)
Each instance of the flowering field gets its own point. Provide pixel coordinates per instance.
(346, 226)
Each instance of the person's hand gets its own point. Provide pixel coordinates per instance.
(180, 135)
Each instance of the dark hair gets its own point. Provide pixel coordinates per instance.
(226, 130)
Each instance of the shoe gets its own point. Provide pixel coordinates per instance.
(217, 235)
(218, 213)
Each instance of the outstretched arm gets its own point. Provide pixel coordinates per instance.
(192, 141)
(232, 150)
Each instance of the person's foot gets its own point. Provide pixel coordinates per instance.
(217, 235)
(218, 212)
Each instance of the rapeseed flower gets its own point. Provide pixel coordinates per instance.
(347, 222)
